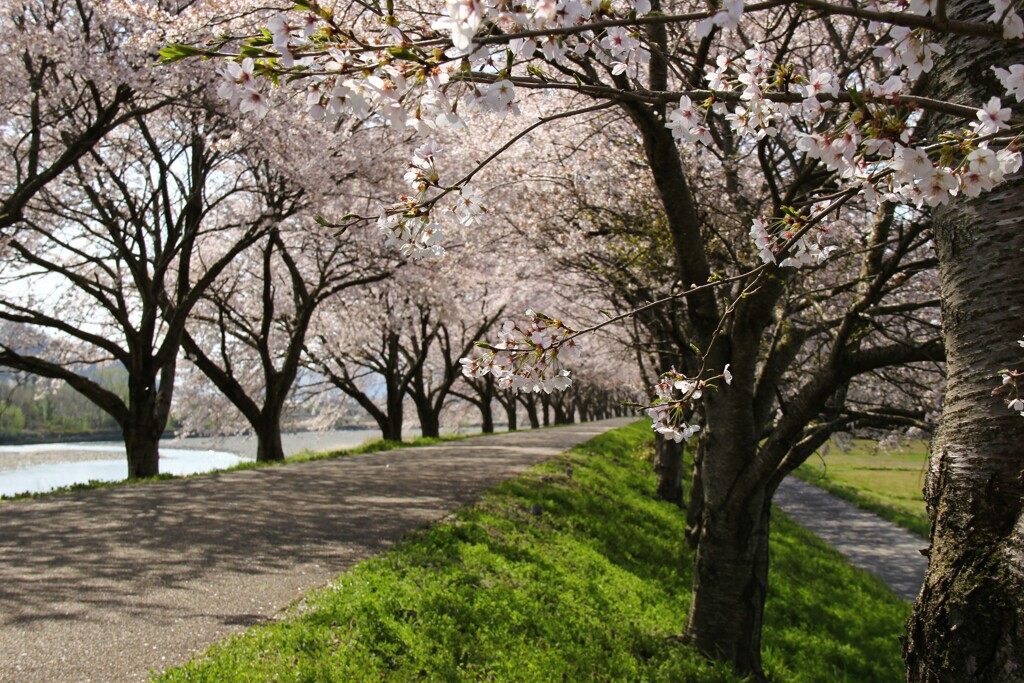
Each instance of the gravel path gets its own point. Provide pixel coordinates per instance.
(871, 543)
(106, 585)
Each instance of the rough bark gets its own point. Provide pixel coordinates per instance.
(731, 582)
(968, 622)
(668, 466)
(731, 564)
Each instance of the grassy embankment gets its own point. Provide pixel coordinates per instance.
(303, 456)
(888, 484)
(595, 587)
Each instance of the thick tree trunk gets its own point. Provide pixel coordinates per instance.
(583, 407)
(142, 440)
(731, 564)
(968, 622)
(144, 425)
(730, 583)
(545, 403)
(486, 418)
(267, 426)
(510, 414)
(563, 416)
(391, 424)
(268, 441)
(430, 421)
(530, 403)
(142, 443)
(668, 466)
(390, 429)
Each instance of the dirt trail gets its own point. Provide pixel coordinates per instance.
(106, 585)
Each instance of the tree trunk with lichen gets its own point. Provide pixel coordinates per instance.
(968, 622)
(730, 581)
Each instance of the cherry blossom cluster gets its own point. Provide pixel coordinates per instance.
(674, 406)
(527, 356)
(865, 140)
(1012, 381)
(405, 86)
(771, 239)
(907, 49)
(239, 86)
(332, 73)
(1004, 12)
(862, 141)
(388, 71)
(413, 227)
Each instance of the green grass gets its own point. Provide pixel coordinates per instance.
(888, 484)
(374, 446)
(595, 587)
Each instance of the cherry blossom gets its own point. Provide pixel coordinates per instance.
(1012, 79)
(528, 355)
(854, 139)
(1012, 381)
(1005, 13)
(676, 396)
(992, 118)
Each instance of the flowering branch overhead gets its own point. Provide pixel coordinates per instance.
(527, 356)
(399, 68)
(853, 121)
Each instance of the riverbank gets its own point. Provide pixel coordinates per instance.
(32, 471)
(32, 438)
(39, 468)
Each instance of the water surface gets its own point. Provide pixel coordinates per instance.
(35, 468)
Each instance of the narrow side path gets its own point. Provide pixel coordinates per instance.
(105, 585)
(871, 543)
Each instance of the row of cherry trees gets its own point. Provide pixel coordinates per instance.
(144, 224)
(754, 186)
(809, 164)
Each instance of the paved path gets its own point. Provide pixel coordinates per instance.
(105, 585)
(868, 541)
